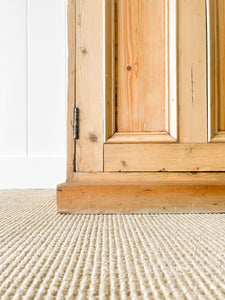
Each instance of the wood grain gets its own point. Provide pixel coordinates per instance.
(90, 80)
(71, 88)
(216, 76)
(212, 65)
(154, 178)
(141, 65)
(127, 197)
(221, 62)
(110, 45)
(219, 137)
(153, 137)
(192, 83)
(164, 157)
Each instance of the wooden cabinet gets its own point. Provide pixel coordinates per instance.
(148, 79)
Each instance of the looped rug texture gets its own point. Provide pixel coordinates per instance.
(46, 255)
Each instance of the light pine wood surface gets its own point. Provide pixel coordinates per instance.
(110, 68)
(71, 33)
(192, 85)
(152, 137)
(221, 62)
(154, 178)
(139, 197)
(164, 157)
(141, 65)
(136, 171)
(216, 65)
(90, 80)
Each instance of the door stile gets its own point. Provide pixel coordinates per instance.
(90, 84)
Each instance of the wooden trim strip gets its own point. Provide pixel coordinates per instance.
(162, 178)
(110, 77)
(126, 197)
(172, 68)
(219, 137)
(151, 137)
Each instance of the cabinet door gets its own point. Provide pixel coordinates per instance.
(163, 77)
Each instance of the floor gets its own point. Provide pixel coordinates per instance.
(45, 255)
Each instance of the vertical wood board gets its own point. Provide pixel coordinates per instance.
(192, 78)
(90, 83)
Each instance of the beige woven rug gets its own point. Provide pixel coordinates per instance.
(45, 255)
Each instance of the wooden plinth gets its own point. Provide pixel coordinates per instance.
(202, 194)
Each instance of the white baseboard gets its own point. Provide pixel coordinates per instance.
(32, 172)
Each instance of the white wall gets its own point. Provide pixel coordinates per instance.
(32, 93)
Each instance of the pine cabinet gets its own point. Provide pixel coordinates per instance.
(146, 107)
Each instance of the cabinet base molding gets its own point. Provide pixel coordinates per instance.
(180, 196)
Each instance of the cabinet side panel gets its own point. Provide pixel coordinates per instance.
(71, 87)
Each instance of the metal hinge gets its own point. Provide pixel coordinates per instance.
(76, 123)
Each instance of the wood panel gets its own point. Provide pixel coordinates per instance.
(192, 83)
(141, 65)
(90, 83)
(216, 67)
(127, 197)
(164, 157)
